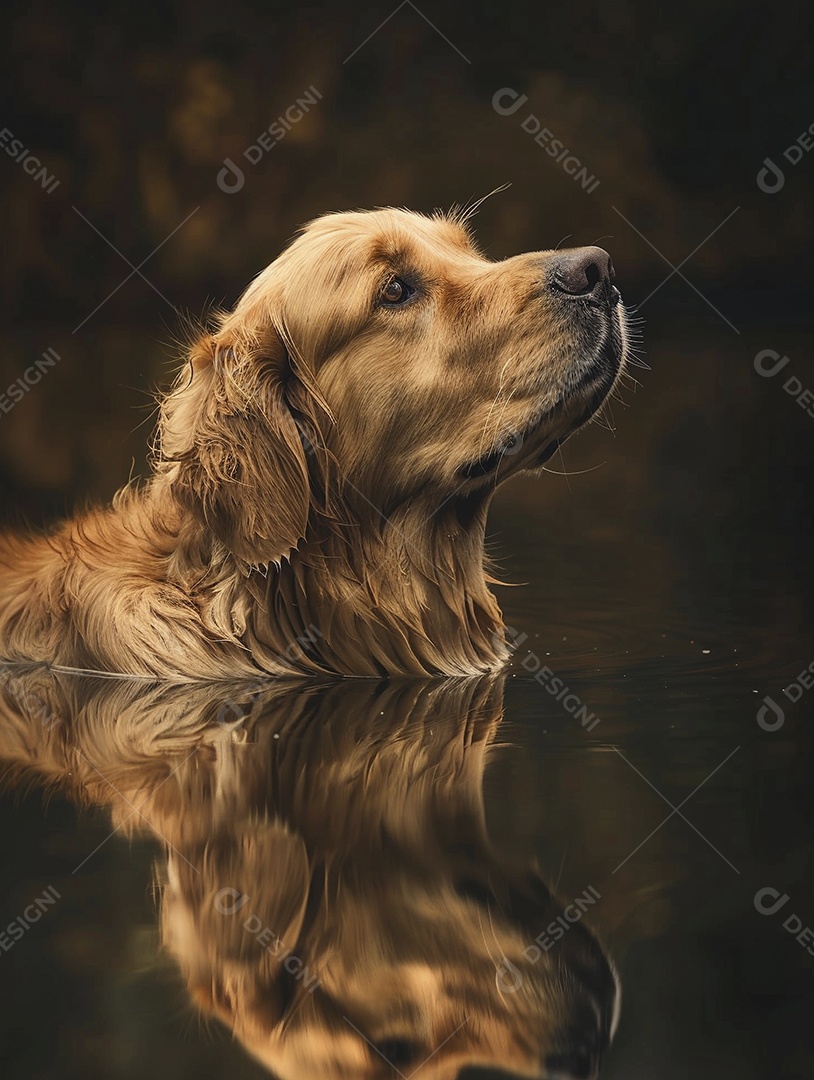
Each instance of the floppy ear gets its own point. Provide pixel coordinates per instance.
(241, 466)
(234, 920)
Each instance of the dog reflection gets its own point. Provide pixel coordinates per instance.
(329, 889)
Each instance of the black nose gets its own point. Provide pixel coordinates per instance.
(586, 273)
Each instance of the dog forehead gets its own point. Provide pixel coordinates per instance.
(338, 258)
(388, 236)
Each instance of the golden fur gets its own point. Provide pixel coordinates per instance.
(323, 469)
(347, 821)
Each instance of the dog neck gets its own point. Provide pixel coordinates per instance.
(413, 598)
(406, 594)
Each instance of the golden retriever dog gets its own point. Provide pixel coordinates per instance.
(328, 887)
(324, 465)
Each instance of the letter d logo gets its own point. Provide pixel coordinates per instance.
(508, 978)
(772, 908)
(777, 363)
(770, 179)
(229, 901)
(770, 716)
(230, 715)
(516, 101)
(514, 637)
(230, 178)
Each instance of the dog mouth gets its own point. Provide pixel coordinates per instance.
(561, 420)
(593, 387)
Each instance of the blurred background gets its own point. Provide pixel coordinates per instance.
(667, 578)
(132, 111)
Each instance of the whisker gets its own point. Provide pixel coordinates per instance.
(504, 407)
(486, 943)
(562, 462)
(492, 406)
(466, 213)
(579, 472)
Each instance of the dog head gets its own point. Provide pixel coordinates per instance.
(383, 360)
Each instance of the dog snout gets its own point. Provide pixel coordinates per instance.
(584, 273)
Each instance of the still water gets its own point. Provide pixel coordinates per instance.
(441, 872)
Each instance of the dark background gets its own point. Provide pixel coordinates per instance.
(133, 108)
(670, 585)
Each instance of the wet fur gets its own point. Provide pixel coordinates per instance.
(323, 470)
(350, 817)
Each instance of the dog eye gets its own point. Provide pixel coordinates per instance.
(396, 292)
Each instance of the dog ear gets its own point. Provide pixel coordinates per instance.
(242, 468)
(234, 922)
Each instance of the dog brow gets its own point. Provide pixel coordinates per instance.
(392, 253)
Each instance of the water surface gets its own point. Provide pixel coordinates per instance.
(667, 590)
